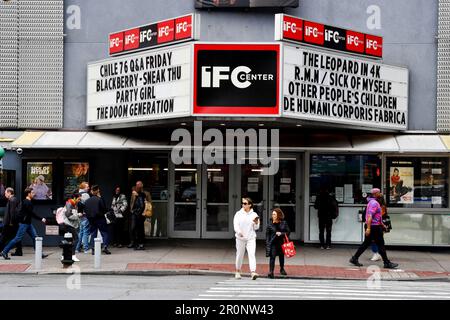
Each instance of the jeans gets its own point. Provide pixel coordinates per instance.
(28, 228)
(99, 225)
(325, 224)
(83, 235)
(137, 229)
(374, 247)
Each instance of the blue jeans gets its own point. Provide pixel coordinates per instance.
(99, 225)
(374, 247)
(83, 235)
(28, 228)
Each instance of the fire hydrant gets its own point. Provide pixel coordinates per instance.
(66, 245)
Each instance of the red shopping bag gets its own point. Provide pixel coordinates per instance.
(288, 247)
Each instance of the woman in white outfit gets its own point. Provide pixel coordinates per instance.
(245, 222)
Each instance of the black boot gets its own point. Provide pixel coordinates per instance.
(390, 265)
(355, 261)
(283, 272)
(270, 275)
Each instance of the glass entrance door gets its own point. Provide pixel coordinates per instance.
(185, 202)
(284, 191)
(254, 185)
(217, 215)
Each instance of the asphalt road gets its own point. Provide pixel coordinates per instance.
(116, 287)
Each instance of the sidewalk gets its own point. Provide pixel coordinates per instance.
(216, 257)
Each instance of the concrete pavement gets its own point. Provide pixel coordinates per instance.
(180, 256)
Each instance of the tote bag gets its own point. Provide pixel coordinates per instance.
(288, 247)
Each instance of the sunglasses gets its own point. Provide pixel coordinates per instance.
(245, 203)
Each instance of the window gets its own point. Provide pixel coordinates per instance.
(417, 182)
(152, 170)
(348, 177)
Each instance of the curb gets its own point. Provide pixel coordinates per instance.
(196, 272)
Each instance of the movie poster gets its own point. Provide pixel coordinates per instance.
(245, 3)
(40, 179)
(432, 182)
(74, 174)
(401, 185)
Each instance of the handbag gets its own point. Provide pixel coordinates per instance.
(148, 210)
(387, 223)
(288, 247)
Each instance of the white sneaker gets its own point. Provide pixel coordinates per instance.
(74, 258)
(254, 275)
(376, 257)
(237, 275)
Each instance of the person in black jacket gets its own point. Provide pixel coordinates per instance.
(26, 212)
(275, 235)
(325, 210)
(96, 209)
(10, 222)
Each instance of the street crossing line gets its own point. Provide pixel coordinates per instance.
(305, 289)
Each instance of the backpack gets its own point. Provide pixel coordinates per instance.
(60, 214)
(334, 208)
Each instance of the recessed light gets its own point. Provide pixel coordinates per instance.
(222, 124)
(261, 124)
(298, 125)
(183, 123)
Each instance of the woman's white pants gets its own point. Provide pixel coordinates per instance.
(250, 245)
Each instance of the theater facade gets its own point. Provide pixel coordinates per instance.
(206, 106)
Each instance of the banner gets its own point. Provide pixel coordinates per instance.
(344, 90)
(299, 31)
(40, 179)
(156, 34)
(245, 3)
(236, 79)
(139, 87)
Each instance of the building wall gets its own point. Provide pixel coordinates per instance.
(409, 28)
(31, 33)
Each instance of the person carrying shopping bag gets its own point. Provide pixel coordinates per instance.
(246, 222)
(276, 231)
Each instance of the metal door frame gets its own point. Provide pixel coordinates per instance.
(298, 193)
(231, 205)
(171, 230)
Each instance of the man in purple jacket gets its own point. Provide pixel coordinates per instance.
(374, 231)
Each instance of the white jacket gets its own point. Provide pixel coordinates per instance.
(244, 225)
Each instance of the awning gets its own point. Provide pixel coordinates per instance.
(407, 143)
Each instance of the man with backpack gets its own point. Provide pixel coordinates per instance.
(327, 210)
(26, 212)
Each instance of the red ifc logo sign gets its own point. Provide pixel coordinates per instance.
(116, 42)
(374, 45)
(183, 28)
(292, 28)
(313, 32)
(131, 39)
(166, 31)
(355, 41)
